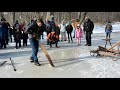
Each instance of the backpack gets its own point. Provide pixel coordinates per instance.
(108, 27)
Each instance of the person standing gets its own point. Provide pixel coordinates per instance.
(78, 34)
(2, 37)
(108, 29)
(10, 33)
(5, 32)
(15, 27)
(34, 32)
(63, 31)
(48, 30)
(88, 27)
(18, 37)
(75, 26)
(24, 35)
(69, 30)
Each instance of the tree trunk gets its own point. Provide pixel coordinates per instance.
(48, 15)
(79, 16)
(84, 15)
(13, 17)
(2, 16)
(70, 16)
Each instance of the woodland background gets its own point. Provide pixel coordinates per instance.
(96, 17)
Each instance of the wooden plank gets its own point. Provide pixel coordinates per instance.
(114, 45)
(47, 55)
(107, 53)
(114, 51)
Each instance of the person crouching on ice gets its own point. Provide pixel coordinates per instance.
(53, 39)
(78, 34)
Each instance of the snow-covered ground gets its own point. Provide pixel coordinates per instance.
(70, 60)
(101, 28)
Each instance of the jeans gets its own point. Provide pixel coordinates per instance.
(35, 46)
(108, 32)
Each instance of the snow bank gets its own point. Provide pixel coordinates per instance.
(101, 28)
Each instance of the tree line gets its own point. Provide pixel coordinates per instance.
(96, 17)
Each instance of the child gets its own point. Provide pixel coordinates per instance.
(18, 37)
(78, 34)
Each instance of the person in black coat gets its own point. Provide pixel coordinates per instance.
(18, 37)
(69, 30)
(88, 27)
(34, 32)
(2, 37)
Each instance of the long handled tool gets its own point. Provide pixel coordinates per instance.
(47, 55)
(3, 63)
(13, 64)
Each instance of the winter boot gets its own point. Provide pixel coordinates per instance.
(37, 63)
(31, 59)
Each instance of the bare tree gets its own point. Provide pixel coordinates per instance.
(13, 17)
(79, 16)
(2, 15)
(82, 18)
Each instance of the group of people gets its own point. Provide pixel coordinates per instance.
(34, 31)
(19, 34)
(78, 31)
(53, 30)
(13, 33)
(4, 29)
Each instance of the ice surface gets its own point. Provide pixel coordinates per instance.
(70, 60)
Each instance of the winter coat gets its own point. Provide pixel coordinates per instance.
(24, 35)
(88, 26)
(69, 28)
(18, 35)
(43, 28)
(52, 23)
(108, 27)
(57, 30)
(62, 28)
(10, 31)
(2, 32)
(5, 28)
(16, 25)
(79, 33)
(34, 31)
(48, 27)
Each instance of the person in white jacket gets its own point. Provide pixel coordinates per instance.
(63, 31)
